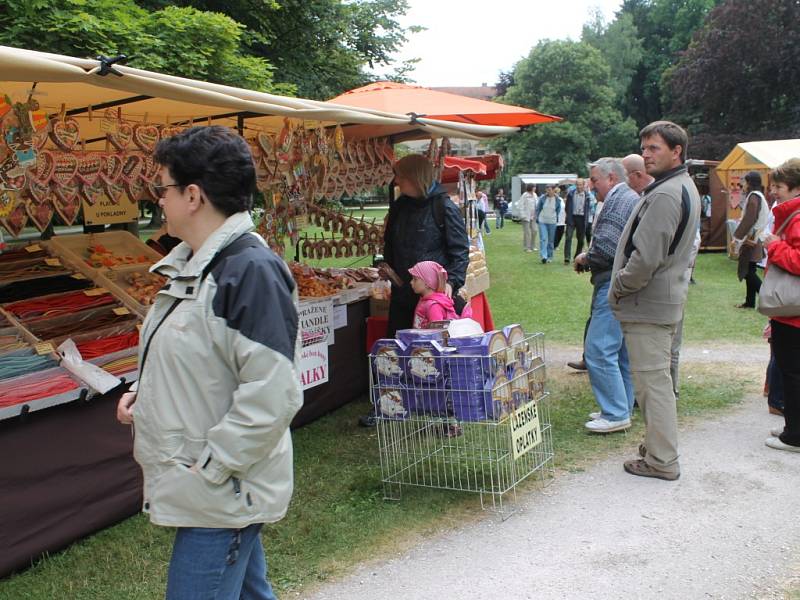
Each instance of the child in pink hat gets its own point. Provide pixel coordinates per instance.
(429, 279)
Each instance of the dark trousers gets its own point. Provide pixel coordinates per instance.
(588, 233)
(559, 235)
(579, 228)
(401, 316)
(753, 284)
(786, 348)
(775, 382)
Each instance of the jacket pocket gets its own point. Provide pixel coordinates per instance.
(182, 492)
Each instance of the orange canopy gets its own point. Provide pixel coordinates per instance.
(485, 166)
(423, 102)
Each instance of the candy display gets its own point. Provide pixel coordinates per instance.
(100, 256)
(319, 282)
(143, 287)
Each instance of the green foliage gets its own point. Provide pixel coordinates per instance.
(620, 45)
(179, 41)
(570, 79)
(321, 46)
(742, 71)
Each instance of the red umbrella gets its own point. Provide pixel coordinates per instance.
(413, 99)
(484, 167)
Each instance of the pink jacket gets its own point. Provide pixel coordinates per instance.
(433, 307)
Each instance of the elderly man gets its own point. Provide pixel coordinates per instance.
(635, 173)
(576, 210)
(649, 287)
(605, 353)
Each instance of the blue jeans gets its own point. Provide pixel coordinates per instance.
(500, 219)
(218, 564)
(547, 235)
(607, 360)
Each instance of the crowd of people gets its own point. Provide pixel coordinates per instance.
(212, 415)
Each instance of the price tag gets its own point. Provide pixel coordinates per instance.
(98, 291)
(33, 248)
(121, 311)
(52, 262)
(44, 348)
(78, 276)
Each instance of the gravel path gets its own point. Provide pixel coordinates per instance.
(721, 531)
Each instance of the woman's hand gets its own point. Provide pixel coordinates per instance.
(770, 238)
(125, 408)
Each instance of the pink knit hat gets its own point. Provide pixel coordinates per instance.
(432, 273)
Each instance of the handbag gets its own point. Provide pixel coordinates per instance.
(779, 295)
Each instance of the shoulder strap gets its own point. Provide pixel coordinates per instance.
(241, 243)
(684, 220)
(787, 221)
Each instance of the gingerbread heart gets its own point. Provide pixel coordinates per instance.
(89, 168)
(151, 192)
(65, 169)
(122, 137)
(67, 209)
(12, 176)
(92, 193)
(65, 133)
(16, 218)
(42, 171)
(67, 192)
(146, 137)
(112, 168)
(170, 130)
(38, 191)
(150, 169)
(114, 191)
(135, 190)
(132, 168)
(40, 213)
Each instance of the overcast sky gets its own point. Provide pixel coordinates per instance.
(468, 42)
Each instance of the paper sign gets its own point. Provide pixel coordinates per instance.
(526, 432)
(98, 291)
(314, 365)
(33, 248)
(107, 211)
(340, 316)
(121, 311)
(316, 321)
(78, 276)
(44, 348)
(52, 262)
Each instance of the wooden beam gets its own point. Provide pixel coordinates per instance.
(111, 104)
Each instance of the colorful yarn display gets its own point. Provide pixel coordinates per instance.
(121, 366)
(64, 326)
(62, 304)
(22, 290)
(94, 348)
(16, 365)
(11, 395)
(19, 270)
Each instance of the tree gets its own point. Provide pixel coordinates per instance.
(620, 46)
(569, 79)
(178, 41)
(321, 46)
(665, 28)
(742, 72)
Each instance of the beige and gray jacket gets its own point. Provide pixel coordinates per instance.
(650, 280)
(219, 387)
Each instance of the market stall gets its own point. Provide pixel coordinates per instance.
(78, 141)
(745, 157)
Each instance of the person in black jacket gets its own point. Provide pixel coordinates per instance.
(422, 224)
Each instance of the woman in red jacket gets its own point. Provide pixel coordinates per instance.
(784, 252)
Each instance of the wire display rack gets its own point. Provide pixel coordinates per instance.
(473, 418)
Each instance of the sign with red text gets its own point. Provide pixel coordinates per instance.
(314, 365)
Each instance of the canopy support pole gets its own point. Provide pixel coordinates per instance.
(111, 104)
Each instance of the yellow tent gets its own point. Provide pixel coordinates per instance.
(756, 156)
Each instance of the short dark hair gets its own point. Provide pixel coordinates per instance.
(753, 179)
(672, 134)
(215, 158)
(529, 187)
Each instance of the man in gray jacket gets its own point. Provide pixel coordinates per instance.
(218, 384)
(649, 285)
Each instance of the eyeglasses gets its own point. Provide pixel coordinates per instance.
(162, 189)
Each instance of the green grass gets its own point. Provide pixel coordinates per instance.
(338, 516)
(554, 299)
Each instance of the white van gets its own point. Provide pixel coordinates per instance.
(518, 183)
